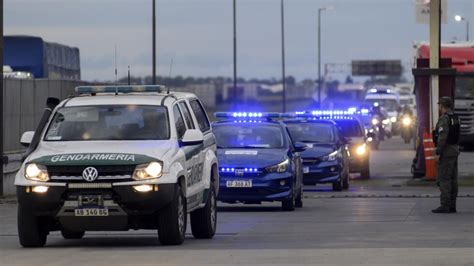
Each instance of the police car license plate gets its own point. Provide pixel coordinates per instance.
(239, 183)
(305, 170)
(91, 212)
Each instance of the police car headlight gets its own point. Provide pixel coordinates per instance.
(375, 122)
(36, 172)
(279, 168)
(331, 157)
(148, 171)
(361, 150)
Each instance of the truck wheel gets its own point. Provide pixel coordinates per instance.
(204, 221)
(299, 199)
(72, 234)
(337, 186)
(30, 231)
(172, 219)
(289, 204)
(365, 174)
(345, 182)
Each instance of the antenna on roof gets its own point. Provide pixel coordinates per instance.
(116, 91)
(171, 70)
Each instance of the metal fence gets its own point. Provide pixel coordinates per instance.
(24, 103)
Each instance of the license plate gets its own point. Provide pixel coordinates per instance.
(91, 212)
(305, 170)
(239, 183)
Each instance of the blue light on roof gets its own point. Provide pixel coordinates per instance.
(253, 115)
(119, 89)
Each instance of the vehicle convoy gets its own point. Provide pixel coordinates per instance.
(352, 129)
(462, 56)
(118, 158)
(327, 159)
(30, 56)
(258, 161)
(386, 98)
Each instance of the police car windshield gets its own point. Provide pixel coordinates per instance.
(312, 132)
(349, 128)
(116, 122)
(249, 135)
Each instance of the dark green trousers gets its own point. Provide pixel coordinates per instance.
(447, 177)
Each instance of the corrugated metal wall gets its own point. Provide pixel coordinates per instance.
(24, 104)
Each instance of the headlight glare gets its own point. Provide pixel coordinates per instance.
(148, 171)
(361, 149)
(279, 168)
(375, 121)
(393, 119)
(36, 172)
(406, 121)
(386, 121)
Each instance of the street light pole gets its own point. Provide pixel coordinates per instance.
(154, 42)
(320, 10)
(459, 18)
(283, 55)
(235, 44)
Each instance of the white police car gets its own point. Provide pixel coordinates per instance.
(119, 158)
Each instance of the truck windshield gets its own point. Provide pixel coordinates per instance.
(464, 88)
(389, 104)
(312, 132)
(248, 135)
(116, 122)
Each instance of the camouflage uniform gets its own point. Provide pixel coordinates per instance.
(447, 167)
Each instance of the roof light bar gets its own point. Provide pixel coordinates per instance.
(250, 115)
(119, 89)
(245, 170)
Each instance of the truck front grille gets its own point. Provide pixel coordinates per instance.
(466, 117)
(115, 173)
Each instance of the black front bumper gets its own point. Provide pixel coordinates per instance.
(126, 206)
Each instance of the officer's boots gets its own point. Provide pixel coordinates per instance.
(442, 209)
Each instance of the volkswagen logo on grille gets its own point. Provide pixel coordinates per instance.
(90, 174)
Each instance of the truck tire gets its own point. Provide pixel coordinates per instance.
(365, 173)
(289, 204)
(172, 219)
(30, 231)
(337, 186)
(204, 220)
(72, 234)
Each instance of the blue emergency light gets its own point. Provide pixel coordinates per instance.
(119, 89)
(245, 170)
(251, 116)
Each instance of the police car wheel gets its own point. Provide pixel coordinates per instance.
(172, 220)
(30, 230)
(337, 186)
(289, 205)
(204, 221)
(72, 234)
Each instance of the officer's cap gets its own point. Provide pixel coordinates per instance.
(446, 102)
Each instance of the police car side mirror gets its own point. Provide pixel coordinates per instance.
(300, 146)
(26, 138)
(192, 137)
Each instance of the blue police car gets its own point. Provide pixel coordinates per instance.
(258, 161)
(327, 159)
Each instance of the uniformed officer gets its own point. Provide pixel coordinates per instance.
(446, 138)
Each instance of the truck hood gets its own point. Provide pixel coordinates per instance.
(258, 158)
(101, 152)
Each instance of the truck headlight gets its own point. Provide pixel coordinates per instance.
(331, 157)
(279, 168)
(361, 149)
(36, 172)
(148, 171)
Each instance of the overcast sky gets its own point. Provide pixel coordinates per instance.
(197, 34)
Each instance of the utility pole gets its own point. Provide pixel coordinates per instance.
(235, 44)
(319, 57)
(283, 55)
(435, 43)
(154, 42)
(1, 104)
